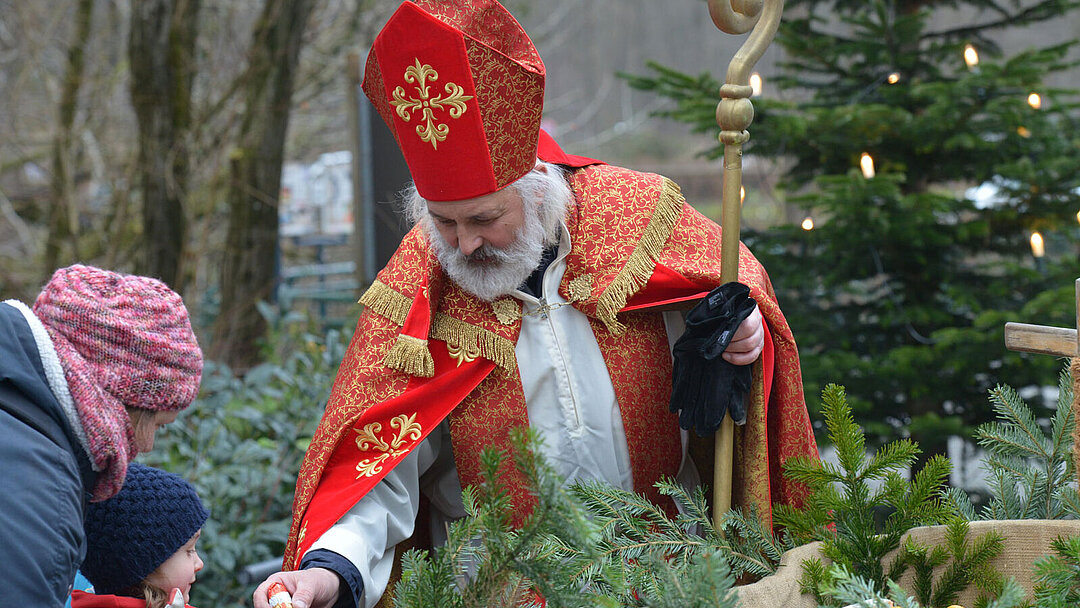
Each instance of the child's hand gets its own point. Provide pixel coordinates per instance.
(176, 599)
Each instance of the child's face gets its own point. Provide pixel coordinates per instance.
(147, 427)
(179, 570)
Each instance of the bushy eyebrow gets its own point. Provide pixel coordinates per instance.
(486, 215)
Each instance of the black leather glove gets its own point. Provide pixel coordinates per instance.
(703, 385)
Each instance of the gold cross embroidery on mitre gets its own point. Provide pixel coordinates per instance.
(430, 132)
(407, 430)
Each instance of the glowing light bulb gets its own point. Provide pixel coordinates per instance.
(1038, 248)
(971, 56)
(742, 194)
(1078, 217)
(867, 163)
(1035, 100)
(808, 223)
(1023, 131)
(893, 78)
(756, 83)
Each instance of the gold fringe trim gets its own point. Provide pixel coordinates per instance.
(639, 267)
(410, 355)
(461, 335)
(386, 302)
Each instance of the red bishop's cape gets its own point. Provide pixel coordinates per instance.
(425, 350)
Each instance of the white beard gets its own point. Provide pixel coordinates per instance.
(490, 272)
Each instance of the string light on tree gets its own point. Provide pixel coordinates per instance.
(1035, 100)
(971, 56)
(1023, 131)
(867, 163)
(808, 224)
(742, 194)
(756, 83)
(1078, 217)
(893, 78)
(1038, 247)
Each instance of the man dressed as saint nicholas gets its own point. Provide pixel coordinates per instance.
(525, 295)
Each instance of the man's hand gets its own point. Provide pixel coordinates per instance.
(748, 341)
(312, 588)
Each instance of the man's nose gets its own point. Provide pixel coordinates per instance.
(468, 241)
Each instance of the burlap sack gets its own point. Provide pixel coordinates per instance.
(782, 588)
(1025, 542)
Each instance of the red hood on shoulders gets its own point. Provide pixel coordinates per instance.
(82, 599)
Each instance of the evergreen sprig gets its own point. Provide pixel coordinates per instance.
(634, 526)
(486, 562)
(851, 590)
(1030, 469)
(1057, 577)
(967, 565)
(861, 506)
(577, 548)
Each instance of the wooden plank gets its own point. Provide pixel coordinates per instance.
(1041, 340)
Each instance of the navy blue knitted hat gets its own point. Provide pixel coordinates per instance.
(129, 535)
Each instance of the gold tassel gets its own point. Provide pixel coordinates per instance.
(384, 301)
(410, 355)
(459, 334)
(639, 267)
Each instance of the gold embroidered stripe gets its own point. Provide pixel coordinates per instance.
(386, 302)
(460, 334)
(641, 263)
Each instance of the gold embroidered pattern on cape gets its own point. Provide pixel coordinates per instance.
(463, 353)
(407, 430)
(581, 288)
(454, 103)
(639, 267)
(507, 310)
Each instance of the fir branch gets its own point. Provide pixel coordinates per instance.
(1029, 470)
(856, 540)
(1057, 577)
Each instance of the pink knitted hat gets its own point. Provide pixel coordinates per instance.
(123, 341)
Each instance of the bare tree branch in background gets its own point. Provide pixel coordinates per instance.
(63, 215)
(161, 54)
(255, 171)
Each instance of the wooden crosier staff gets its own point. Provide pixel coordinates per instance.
(734, 114)
(1058, 341)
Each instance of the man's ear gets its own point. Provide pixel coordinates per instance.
(540, 166)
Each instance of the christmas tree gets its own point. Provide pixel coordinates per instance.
(905, 280)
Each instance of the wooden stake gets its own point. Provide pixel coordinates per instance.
(1057, 341)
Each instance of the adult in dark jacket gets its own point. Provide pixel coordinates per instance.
(87, 376)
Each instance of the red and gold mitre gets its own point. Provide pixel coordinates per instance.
(461, 86)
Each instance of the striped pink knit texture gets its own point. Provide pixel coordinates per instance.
(122, 340)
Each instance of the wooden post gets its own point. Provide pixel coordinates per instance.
(1057, 341)
(353, 75)
(1043, 340)
(734, 114)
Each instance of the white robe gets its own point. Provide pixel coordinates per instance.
(571, 404)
